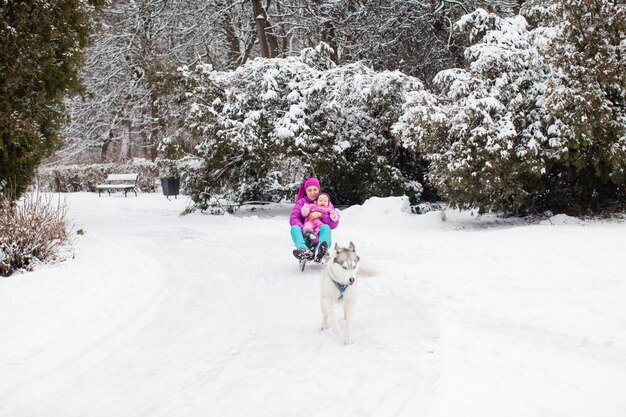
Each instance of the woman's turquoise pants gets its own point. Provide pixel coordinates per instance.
(298, 237)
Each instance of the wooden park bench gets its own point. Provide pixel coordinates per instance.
(121, 182)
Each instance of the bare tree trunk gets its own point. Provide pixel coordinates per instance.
(330, 38)
(329, 35)
(271, 36)
(246, 53)
(126, 146)
(281, 33)
(233, 53)
(267, 41)
(260, 27)
(350, 41)
(123, 148)
(154, 126)
(145, 140)
(129, 152)
(105, 147)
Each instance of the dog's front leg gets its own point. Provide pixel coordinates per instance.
(327, 306)
(348, 311)
(324, 315)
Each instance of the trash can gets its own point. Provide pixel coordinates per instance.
(170, 186)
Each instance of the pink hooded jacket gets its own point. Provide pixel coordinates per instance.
(310, 208)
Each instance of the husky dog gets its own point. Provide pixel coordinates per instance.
(339, 286)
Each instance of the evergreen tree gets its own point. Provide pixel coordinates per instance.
(481, 130)
(588, 95)
(40, 58)
(536, 119)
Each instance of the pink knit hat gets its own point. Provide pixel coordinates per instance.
(306, 184)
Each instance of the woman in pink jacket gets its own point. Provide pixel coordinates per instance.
(307, 194)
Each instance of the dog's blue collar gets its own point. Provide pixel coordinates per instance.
(342, 288)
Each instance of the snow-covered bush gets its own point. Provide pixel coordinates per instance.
(539, 12)
(268, 124)
(482, 130)
(493, 134)
(31, 231)
(587, 94)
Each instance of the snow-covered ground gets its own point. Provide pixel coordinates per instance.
(162, 315)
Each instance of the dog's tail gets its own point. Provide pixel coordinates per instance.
(367, 271)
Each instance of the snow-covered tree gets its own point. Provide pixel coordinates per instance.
(587, 94)
(128, 106)
(493, 134)
(413, 36)
(539, 12)
(129, 101)
(270, 122)
(483, 133)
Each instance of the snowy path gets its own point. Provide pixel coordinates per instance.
(161, 315)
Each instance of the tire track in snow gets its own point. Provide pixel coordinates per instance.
(93, 345)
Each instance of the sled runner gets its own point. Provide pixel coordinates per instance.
(305, 254)
(303, 262)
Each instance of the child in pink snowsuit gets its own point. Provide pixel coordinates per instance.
(312, 225)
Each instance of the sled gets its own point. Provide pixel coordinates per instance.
(303, 262)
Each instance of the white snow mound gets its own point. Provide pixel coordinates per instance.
(380, 206)
(562, 219)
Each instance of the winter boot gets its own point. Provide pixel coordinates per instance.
(321, 251)
(309, 236)
(302, 254)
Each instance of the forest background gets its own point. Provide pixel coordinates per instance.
(516, 107)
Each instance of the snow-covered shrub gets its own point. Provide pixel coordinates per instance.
(31, 231)
(268, 124)
(482, 130)
(350, 145)
(491, 133)
(74, 178)
(587, 94)
(539, 12)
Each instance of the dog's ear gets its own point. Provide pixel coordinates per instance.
(337, 248)
(351, 247)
